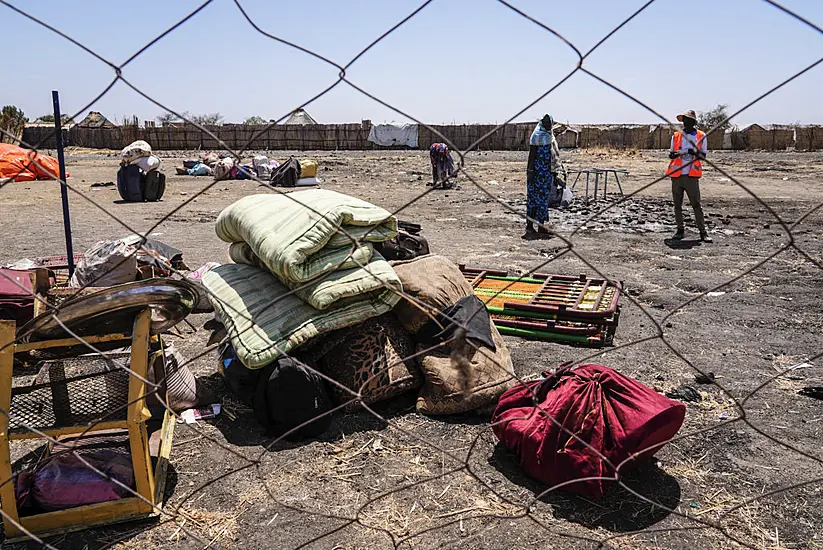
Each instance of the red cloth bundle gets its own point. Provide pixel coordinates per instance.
(614, 414)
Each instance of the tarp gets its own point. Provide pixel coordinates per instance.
(22, 164)
(389, 135)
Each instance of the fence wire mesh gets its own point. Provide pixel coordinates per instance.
(427, 486)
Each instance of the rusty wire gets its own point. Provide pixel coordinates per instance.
(462, 464)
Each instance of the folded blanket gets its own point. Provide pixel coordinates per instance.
(265, 322)
(298, 236)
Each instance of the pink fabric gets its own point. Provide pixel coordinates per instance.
(616, 415)
(64, 481)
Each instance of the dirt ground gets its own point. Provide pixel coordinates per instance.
(444, 482)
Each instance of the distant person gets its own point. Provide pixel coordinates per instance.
(442, 165)
(544, 170)
(685, 169)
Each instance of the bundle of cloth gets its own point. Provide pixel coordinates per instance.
(138, 153)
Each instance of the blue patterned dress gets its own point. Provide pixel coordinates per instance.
(538, 190)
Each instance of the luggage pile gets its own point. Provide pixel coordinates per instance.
(317, 320)
(291, 173)
(573, 310)
(140, 178)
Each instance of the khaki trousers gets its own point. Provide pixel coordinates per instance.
(691, 186)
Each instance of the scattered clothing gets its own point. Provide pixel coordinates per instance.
(308, 182)
(468, 313)
(707, 378)
(200, 169)
(392, 135)
(597, 407)
(223, 168)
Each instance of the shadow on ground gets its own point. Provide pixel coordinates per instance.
(619, 511)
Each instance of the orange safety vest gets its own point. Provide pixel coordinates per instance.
(676, 165)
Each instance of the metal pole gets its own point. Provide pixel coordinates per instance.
(64, 192)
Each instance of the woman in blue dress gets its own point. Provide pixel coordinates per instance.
(543, 171)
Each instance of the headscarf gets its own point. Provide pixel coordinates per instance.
(541, 135)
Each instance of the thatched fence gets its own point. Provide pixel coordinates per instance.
(331, 137)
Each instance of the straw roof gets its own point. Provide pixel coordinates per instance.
(300, 117)
(95, 120)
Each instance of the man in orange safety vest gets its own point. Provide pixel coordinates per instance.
(687, 150)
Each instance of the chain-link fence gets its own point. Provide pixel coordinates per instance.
(428, 483)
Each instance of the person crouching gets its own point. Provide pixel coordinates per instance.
(442, 166)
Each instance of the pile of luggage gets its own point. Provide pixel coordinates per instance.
(140, 178)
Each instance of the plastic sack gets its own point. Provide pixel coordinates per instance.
(261, 167)
(147, 164)
(135, 150)
(613, 414)
(568, 197)
(64, 481)
(115, 257)
(308, 168)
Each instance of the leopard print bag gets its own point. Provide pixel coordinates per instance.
(372, 357)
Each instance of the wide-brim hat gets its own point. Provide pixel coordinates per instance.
(688, 114)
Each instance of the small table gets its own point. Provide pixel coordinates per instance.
(597, 172)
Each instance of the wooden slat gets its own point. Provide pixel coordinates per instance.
(167, 438)
(65, 342)
(69, 430)
(138, 413)
(8, 500)
(75, 519)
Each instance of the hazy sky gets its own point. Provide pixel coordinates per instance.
(455, 61)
